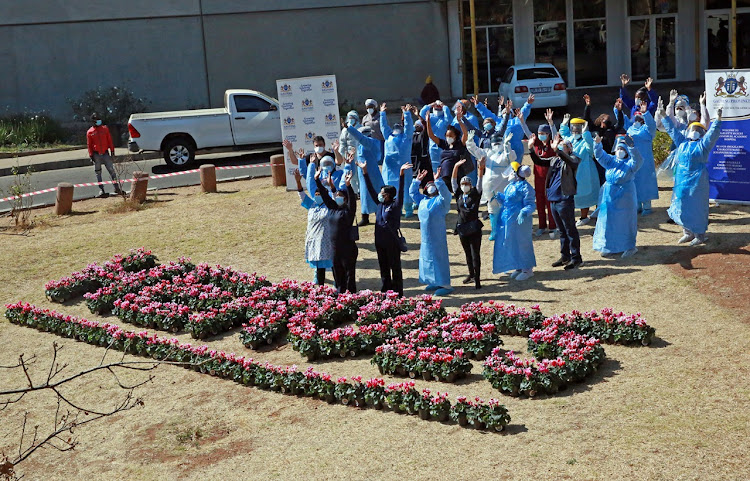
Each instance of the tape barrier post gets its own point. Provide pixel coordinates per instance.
(208, 178)
(140, 185)
(64, 198)
(278, 170)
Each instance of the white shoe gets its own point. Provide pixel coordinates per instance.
(629, 252)
(555, 234)
(582, 222)
(524, 275)
(699, 239)
(515, 274)
(686, 238)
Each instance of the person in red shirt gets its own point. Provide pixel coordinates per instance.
(102, 150)
(541, 152)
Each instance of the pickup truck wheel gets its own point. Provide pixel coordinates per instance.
(179, 152)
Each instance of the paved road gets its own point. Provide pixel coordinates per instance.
(50, 179)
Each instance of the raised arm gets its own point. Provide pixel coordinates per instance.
(416, 196)
(444, 194)
(330, 203)
(464, 130)
(677, 137)
(430, 133)
(650, 123)
(471, 146)
(605, 160)
(290, 150)
(384, 127)
(408, 123)
(705, 116)
(368, 183)
(627, 101)
(709, 140)
(522, 121)
(486, 113)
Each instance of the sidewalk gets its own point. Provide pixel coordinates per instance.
(61, 160)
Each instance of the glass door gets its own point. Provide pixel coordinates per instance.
(495, 52)
(653, 50)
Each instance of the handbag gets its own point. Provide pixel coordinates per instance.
(402, 242)
(469, 228)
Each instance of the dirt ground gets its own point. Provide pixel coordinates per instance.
(679, 409)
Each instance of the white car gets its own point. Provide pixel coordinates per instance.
(541, 79)
(249, 118)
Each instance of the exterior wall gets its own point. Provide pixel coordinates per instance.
(52, 50)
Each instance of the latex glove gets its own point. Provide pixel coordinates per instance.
(597, 138)
(521, 218)
(719, 113)
(566, 119)
(471, 136)
(703, 98)
(660, 107)
(672, 96)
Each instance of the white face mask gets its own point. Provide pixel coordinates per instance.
(693, 117)
(621, 154)
(396, 133)
(319, 150)
(681, 113)
(370, 110)
(431, 189)
(578, 136)
(638, 102)
(450, 140)
(437, 112)
(693, 135)
(465, 188)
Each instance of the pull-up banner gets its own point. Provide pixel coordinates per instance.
(729, 161)
(309, 107)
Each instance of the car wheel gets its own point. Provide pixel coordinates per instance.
(179, 152)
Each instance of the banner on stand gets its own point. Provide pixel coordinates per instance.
(309, 108)
(729, 161)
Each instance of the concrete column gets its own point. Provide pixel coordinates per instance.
(140, 185)
(278, 170)
(208, 178)
(64, 199)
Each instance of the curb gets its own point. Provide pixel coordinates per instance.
(65, 164)
(29, 153)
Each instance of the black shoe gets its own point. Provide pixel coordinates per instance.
(561, 262)
(478, 285)
(455, 231)
(469, 280)
(365, 221)
(102, 195)
(574, 263)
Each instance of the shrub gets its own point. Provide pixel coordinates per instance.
(662, 147)
(29, 129)
(114, 105)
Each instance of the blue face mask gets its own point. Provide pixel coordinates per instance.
(98, 122)
(340, 200)
(488, 127)
(543, 137)
(352, 122)
(318, 200)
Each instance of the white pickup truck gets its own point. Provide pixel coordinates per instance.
(248, 118)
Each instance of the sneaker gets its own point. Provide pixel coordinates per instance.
(539, 232)
(555, 234)
(583, 221)
(645, 212)
(561, 262)
(102, 195)
(444, 291)
(469, 280)
(629, 253)
(524, 275)
(574, 263)
(686, 238)
(699, 239)
(515, 274)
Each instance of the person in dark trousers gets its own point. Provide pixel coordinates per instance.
(343, 210)
(605, 128)
(420, 152)
(429, 93)
(453, 149)
(469, 226)
(561, 187)
(387, 225)
(102, 151)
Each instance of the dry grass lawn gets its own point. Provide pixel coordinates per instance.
(679, 409)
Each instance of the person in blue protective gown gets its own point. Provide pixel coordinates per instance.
(509, 125)
(348, 144)
(514, 246)
(576, 131)
(617, 223)
(434, 205)
(368, 151)
(440, 119)
(689, 208)
(643, 130)
(318, 243)
(643, 96)
(398, 141)
(308, 164)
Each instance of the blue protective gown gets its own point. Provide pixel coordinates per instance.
(312, 187)
(434, 266)
(587, 177)
(514, 246)
(646, 186)
(397, 153)
(689, 207)
(439, 126)
(368, 151)
(509, 127)
(629, 105)
(617, 221)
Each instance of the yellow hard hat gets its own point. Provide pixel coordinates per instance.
(697, 124)
(577, 121)
(515, 166)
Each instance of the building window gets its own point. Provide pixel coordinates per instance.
(495, 50)
(590, 40)
(651, 7)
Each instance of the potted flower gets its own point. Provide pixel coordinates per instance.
(375, 393)
(440, 407)
(460, 411)
(422, 404)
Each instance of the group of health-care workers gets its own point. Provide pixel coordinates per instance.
(474, 159)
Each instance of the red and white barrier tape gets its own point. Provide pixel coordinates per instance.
(108, 182)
